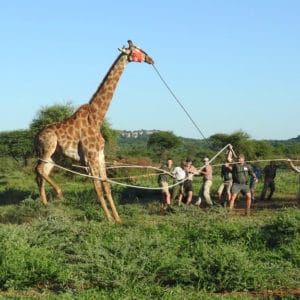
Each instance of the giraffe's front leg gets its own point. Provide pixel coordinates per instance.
(94, 169)
(107, 188)
(99, 192)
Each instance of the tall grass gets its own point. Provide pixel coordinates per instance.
(67, 249)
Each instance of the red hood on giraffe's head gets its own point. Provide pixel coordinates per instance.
(136, 54)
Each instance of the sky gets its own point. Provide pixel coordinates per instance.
(233, 65)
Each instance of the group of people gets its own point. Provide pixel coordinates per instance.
(183, 182)
(237, 177)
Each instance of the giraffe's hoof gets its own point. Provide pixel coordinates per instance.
(119, 220)
(60, 195)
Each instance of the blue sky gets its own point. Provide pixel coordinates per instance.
(234, 65)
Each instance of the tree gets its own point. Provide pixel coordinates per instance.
(51, 114)
(162, 142)
(241, 142)
(238, 139)
(262, 149)
(17, 144)
(110, 135)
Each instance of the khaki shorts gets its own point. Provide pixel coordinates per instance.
(165, 186)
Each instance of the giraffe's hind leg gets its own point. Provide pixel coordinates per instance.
(43, 170)
(46, 144)
(41, 186)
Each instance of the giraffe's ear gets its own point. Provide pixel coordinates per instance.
(124, 50)
(130, 43)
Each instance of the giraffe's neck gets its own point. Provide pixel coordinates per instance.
(100, 101)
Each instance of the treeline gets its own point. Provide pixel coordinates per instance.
(19, 144)
(159, 145)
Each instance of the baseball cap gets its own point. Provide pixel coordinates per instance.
(205, 159)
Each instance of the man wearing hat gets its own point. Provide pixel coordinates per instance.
(206, 172)
(188, 184)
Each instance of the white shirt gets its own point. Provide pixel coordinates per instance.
(179, 173)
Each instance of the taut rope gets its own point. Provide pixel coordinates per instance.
(113, 181)
(180, 104)
(150, 167)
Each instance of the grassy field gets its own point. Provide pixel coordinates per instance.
(68, 251)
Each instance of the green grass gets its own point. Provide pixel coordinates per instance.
(67, 250)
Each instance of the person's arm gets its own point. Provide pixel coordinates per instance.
(253, 175)
(293, 167)
(275, 172)
(194, 171)
(251, 172)
(223, 171)
(230, 153)
(205, 173)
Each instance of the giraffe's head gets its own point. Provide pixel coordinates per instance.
(135, 53)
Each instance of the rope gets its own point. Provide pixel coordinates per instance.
(131, 166)
(151, 167)
(258, 160)
(112, 181)
(136, 176)
(180, 104)
(219, 153)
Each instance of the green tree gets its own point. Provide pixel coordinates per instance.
(17, 144)
(261, 149)
(110, 135)
(51, 114)
(162, 142)
(239, 140)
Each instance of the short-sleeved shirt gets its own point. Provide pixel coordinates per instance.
(226, 173)
(241, 173)
(164, 177)
(179, 174)
(208, 176)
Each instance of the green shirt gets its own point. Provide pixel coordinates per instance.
(164, 177)
(241, 173)
(226, 173)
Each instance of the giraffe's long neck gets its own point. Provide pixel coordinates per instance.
(100, 101)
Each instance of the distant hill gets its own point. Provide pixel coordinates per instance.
(143, 133)
(136, 133)
(297, 139)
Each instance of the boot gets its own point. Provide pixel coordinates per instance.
(170, 209)
(198, 201)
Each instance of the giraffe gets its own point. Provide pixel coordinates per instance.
(79, 137)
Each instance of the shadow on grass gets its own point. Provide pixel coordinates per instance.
(138, 196)
(276, 203)
(14, 196)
